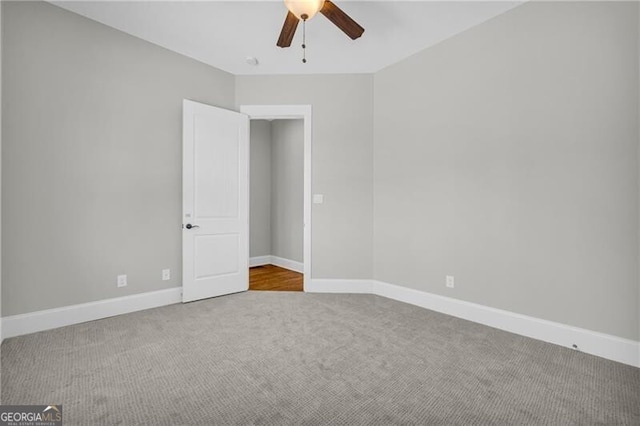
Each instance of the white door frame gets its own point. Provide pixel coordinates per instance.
(283, 112)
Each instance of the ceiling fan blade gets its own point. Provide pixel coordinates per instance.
(341, 20)
(288, 30)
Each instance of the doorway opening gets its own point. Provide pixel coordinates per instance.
(276, 206)
(280, 197)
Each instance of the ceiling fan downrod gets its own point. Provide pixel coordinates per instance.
(304, 37)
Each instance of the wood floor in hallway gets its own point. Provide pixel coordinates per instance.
(274, 278)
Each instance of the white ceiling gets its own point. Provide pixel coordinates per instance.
(224, 33)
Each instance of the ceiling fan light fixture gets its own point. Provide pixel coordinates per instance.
(304, 9)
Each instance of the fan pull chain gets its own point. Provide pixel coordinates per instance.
(304, 39)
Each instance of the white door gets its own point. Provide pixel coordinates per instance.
(215, 194)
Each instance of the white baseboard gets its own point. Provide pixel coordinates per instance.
(1, 335)
(259, 261)
(338, 286)
(18, 325)
(603, 345)
(291, 265)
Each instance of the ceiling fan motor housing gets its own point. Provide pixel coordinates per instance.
(300, 8)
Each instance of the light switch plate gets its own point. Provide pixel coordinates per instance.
(122, 281)
(318, 198)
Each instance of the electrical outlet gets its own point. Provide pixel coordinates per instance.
(122, 280)
(166, 274)
(450, 282)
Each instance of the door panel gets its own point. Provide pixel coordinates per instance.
(215, 201)
(216, 255)
(216, 169)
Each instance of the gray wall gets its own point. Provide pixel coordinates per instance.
(260, 189)
(91, 167)
(287, 189)
(342, 163)
(507, 156)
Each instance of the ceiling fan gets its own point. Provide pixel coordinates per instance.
(303, 10)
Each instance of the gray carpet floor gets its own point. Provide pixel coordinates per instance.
(295, 358)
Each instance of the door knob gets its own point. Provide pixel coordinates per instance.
(189, 226)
